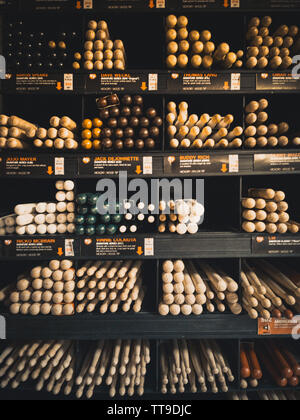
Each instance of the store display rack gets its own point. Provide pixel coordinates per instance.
(221, 237)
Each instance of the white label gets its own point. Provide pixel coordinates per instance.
(149, 247)
(68, 82)
(236, 81)
(153, 82)
(160, 4)
(235, 3)
(234, 165)
(88, 4)
(59, 166)
(69, 248)
(148, 165)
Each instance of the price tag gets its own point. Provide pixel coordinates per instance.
(68, 82)
(234, 166)
(277, 162)
(88, 4)
(278, 326)
(153, 82)
(149, 247)
(275, 245)
(59, 166)
(69, 248)
(148, 165)
(236, 81)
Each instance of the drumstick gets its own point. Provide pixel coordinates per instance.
(203, 121)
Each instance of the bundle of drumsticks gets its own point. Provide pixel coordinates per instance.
(191, 131)
(271, 49)
(121, 365)
(261, 133)
(265, 210)
(195, 49)
(110, 286)
(19, 134)
(274, 359)
(190, 365)
(270, 290)
(56, 288)
(186, 131)
(189, 288)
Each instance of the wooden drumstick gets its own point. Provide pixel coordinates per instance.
(267, 194)
(248, 203)
(252, 32)
(203, 121)
(182, 133)
(222, 50)
(253, 279)
(253, 314)
(222, 144)
(138, 304)
(235, 144)
(82, 271)
(230, 60)
(250, 131)
(214, 277)
(279, 277)
(197, 144)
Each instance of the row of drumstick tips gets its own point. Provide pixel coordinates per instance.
(58, 289)
(186, 366)
(265, 210)
(17, 133)
(270, 290)
(189, 287)
(121, 365)
(272, 359)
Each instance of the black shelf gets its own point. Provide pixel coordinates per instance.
(189, 81)
(205, 244)
(150, 6)
(151, 326)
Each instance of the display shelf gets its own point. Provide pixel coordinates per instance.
(151, 326)
(205, 244)
(219, 239)
(153, 81)
(193, 163)
(149, 5)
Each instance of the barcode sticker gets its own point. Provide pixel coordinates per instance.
(235, 3)
(148, 165)
(68, 82)
(149, 247)
(236, 81)
(234, 164)
(160, 4)
(69, 248)
(153, 82)
(59, 166)
(88, 4)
